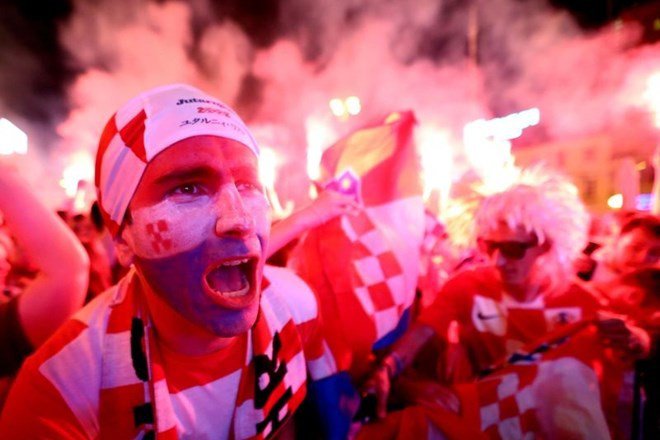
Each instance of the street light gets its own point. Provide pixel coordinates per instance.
(344, 108)
(13, 140)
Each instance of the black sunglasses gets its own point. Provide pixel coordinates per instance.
(514, 250)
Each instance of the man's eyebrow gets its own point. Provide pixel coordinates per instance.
(195, 172)
(244, 170)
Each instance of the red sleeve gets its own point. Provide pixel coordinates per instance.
(34, 407)
(448, 306)
(55, 420)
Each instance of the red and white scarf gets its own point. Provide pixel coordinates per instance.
(135, 401)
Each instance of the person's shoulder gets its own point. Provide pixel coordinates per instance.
(285, 287)
(481, 279)
(70, 365)
(99, 306)
(84, 330)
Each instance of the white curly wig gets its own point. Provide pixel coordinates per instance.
(547, 204)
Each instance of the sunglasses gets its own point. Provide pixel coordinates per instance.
(514, 250)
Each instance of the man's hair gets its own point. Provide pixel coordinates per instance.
(647, 222)
(546, 204)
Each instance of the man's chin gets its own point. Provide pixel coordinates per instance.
(234, 323)
(510, 278)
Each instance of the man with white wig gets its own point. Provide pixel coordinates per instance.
(522, 322)
(198, 340)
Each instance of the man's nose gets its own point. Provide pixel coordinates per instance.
(499, 259)
(233, 219)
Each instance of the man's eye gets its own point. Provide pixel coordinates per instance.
(248, 186)
(187, 188)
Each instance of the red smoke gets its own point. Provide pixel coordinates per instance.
(528, 55)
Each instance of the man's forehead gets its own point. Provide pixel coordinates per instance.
(202, 155)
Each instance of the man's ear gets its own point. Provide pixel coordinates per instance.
(124, 251)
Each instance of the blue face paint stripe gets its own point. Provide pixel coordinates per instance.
(178, 280)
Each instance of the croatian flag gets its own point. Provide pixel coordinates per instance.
(365, 267)
(550, 390)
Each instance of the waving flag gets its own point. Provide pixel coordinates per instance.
(382, 156)
(548, 388)
(365, 267)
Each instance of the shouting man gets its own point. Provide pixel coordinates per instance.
(192, 342)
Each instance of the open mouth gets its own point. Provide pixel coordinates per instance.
(232, 282)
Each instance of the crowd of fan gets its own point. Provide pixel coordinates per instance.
(528, 248)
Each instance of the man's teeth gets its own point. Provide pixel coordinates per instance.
(229, 280)
(237, 293)
(235, 262)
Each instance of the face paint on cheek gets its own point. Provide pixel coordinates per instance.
(168, 228)
(178, 279)
(159, 233)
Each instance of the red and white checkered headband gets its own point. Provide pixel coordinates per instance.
(147, 125)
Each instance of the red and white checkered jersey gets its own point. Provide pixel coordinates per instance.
(84, 383)
(492, 324)
(551, 394)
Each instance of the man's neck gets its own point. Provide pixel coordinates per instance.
(523, 293)
(177, 333)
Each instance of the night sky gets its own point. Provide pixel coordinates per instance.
(29, 28)
(66, 65)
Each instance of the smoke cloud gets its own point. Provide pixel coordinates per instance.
(451, 61)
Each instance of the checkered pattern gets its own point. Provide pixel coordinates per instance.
(521, 400)
(147, 125)
(506, 326)
(159, 234)
(378, 279)
(434, 231)
(274, 362)
(104, 375)
(507, 407)
(494, 327)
